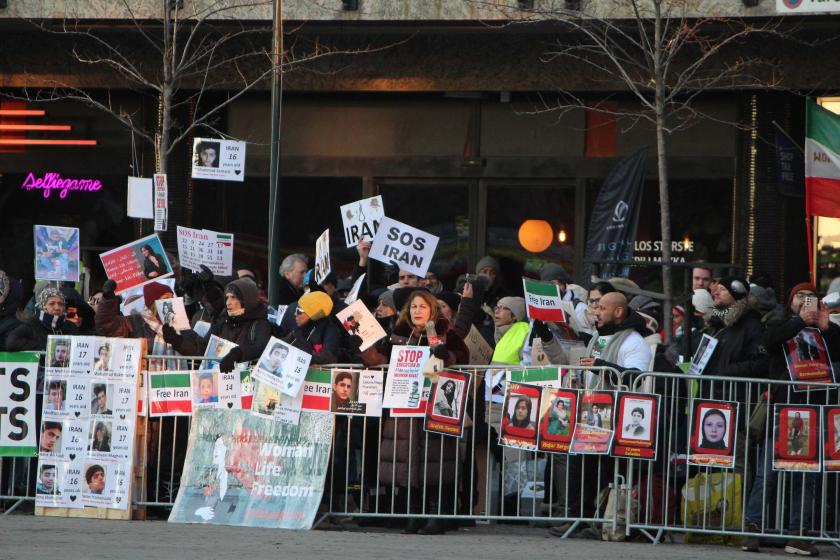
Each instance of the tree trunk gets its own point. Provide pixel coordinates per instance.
(164, 136)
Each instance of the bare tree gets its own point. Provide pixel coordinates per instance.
(665, 53)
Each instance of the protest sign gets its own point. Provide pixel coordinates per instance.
(86, 446)
(404, 381)
(636, 426)
(272, 404)
(542, 300)
(132, 299)
(218, 160)
(796, 437)
(57, 253)
(170, 393)
(141, 200)
(558, 415)
(356, 393)
(361, 219)
(519, 416)
(353, 294)
(322, 256)
(18, 380)
(713, 434)
(161, 202)
(446, 409)
(831, 438)
(702, 355)
(406, 247)
(808, 360)
(173, 393)
(173, 313)
(418, 411)
(245, 470)
(282, 366)
(218, 348)
(594, 429)
(480, 352)
(198, 247)
(136, 263)
(358, 321)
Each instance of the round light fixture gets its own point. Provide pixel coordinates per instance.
(535, 236)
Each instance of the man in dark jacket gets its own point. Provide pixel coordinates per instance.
(738, 330)
(776, 337)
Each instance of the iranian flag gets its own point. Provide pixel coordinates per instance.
(822, 161)
(542, 300)
(170, 393)
(317, 391)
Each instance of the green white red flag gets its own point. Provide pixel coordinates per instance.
(542, 301)
(822, 161)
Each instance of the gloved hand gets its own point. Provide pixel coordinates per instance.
(206, 275)
(541, 330)
(108, 289)
(440, 351)
(229, 361)
(171, 336)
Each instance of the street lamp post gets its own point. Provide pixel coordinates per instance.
(274, 171)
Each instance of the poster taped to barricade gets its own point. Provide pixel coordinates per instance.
(136, 263)
(519, 416)
(282, 366)
(702, 355)
(713, 434)
(480, 352)
(361, 219)
(244, 470)
(57, 253)
(217, 347)
(594, 429)
(173, 313)
(540, 376)
(171, 392)
(198, 247)
(542, 301)
(18, 381)
(808, 360)
(558, 415)
(796, 438)
(357, 392)
(218, 160)
(831, 438)
(409, 248)
(317, 391)
(418, 411)
(89, 440)
(271, 404)
(358, 321)
(404, 382)
(446, 409)
(637, 422)
(322, 266)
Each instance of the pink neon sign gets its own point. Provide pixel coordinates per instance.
(54, 182)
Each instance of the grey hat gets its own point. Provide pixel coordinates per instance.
(554, 271)
(387, 299)
(486, 261)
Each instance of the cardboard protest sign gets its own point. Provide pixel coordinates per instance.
(594, 429)
(831, 438)
(356, 393)
(480, 352)
(558, 415)
(703, 354)
(141, 200)
(408, 248)
(542, 301)
(796, 437)
(170, 393)
(519, 416)
(636, 426)
(198, 247)
(161, 202)
(173, 313)
(136, 263)
(18, 381)
(358, 321)
(361, 219)
(322, 256)
(282, 366)
(446, 409)
(86, 447)
(713, 434)
(404, 382)
(245, 470)
(57, 253)
(218, 160)
(808, 360)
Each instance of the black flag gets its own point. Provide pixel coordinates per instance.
(615, 217)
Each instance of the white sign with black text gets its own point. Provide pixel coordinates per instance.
(218, 160)
(407, 247)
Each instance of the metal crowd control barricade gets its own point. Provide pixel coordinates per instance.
(668, 486)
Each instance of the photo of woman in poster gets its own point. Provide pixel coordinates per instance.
(447, 399)
(153, 264)
(714, 429)
(797, 437)
(558, 417)
(101, 439)
(216, 486)
(520, 415)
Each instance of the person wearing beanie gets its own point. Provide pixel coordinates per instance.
(804, 311)
(448, 302)
(244, 322)
(146, 324)
(489, 269)
(48, 318)
(703, 303)
(553, 272)
(315, 333)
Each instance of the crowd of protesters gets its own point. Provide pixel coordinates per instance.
(616, 324)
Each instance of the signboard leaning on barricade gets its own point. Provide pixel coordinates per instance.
(18, 379)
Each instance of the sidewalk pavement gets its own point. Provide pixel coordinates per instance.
(25, 536)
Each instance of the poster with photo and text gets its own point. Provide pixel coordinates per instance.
(713, 433)
(637, 421)
(796, 437)
(446, 409)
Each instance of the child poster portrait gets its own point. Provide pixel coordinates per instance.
(796, 430)
(205, 388)
(636, 426)
(713, 432)
(519, 416)
(558, 414)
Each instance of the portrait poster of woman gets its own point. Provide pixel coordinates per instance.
(831, 438)
(519, 416)
(445, 410)
(558, 413)
(713, 434)
(796, 430)
(636, 426)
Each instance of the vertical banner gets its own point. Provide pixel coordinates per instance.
(713, 434)
(361, 219)
(796, 437)
(322, 256)
(519, 416)
(636, 425)
(558, 415)
(57, 253)
(595, 428)
(18, 380)
(542, 301)
(245, 470)
(615, 217)
(447, 404)
(161, 201)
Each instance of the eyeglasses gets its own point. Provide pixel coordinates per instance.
(300, 311)
(501, 308)
(594, 302)
(803, 295)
